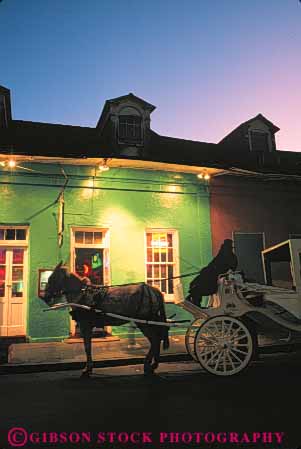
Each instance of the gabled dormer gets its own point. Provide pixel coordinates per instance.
(125, 122)
(5, 108)
(254, 135)
(261, 134)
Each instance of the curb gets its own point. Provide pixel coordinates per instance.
(67, 366)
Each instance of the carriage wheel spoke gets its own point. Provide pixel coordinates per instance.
(218, 360)
(208, 352)
(237, 338)
(228, 333)
(210, 331)
(235, 356)
(227, 347)
(239, 351)
(224, 361)
(230, 360)
(209, 339)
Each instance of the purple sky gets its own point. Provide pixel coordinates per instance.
(207, 65)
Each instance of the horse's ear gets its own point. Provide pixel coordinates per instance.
(59, 265)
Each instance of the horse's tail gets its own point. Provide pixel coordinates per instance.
(163, 319)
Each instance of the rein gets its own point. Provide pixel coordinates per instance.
(102, 289)
(140, 282)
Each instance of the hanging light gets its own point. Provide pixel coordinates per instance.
(11, 163)
(104, 166)
(204, 175)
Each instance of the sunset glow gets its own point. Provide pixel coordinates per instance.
(207, 65)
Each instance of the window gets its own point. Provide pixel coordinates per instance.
(90, 252)
(259, 141)
(130, 129)
(13, 234)
(161, 260)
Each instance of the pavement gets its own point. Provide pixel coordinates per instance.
(107, 352)
(70, 355)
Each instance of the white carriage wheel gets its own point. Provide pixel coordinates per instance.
(190, 336)
(223, 346)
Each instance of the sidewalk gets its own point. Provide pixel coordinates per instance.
(111, 351)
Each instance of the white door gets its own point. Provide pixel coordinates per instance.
(12, 291)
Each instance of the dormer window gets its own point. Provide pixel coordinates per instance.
(259, 141)
(130, 129)
(130, 126)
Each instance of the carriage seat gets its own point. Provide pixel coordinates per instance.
(255, 299)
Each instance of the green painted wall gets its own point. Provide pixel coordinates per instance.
(127, 201)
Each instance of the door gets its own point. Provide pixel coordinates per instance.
(12, 291)
(248, 247)
(90, 258)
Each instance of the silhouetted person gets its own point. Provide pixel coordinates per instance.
(206, 282)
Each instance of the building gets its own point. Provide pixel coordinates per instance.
(120, 203)
(143, 219)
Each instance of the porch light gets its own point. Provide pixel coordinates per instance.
(104, 166)
(11, 163)
(204, 175)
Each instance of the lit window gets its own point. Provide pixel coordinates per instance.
(161, 260)
(91, 254)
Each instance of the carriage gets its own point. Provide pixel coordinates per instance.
(245, 319)
(242, 319)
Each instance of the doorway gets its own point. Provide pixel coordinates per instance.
(12, 291)
(248, 247)
(90, 258)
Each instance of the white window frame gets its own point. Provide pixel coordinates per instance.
(105, 245)
(15, 242)
(176, 258)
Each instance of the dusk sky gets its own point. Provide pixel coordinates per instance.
(208, 65)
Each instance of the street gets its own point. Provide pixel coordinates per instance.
(183, 399)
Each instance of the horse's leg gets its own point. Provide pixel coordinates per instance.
(156, 343)
(148, 370)
(86, 331)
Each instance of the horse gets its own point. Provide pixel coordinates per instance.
(140, 301)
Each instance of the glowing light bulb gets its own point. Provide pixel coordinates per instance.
(200, 176)
(11, 163)
(206, 177)
(103, 168)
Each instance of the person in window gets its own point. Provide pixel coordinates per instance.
(206, 282)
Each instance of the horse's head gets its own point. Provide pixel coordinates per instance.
(60, 283)
(56, 284)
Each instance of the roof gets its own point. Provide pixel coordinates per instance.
(245, 124)
(48, 139)
(57, 140)
(78, 142)
(123, 99)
